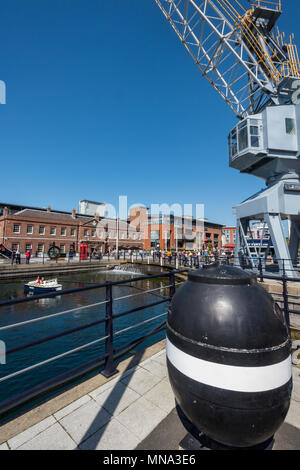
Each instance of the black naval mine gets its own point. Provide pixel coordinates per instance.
(229, 356)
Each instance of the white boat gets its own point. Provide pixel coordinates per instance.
(49, 285)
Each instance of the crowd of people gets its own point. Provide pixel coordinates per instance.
(185, 257)
(189, 257)
(16, 257)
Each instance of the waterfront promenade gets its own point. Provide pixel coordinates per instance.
(133, 410)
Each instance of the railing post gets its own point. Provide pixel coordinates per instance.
(172, 284)
(261, 276)
(109, 367)
(285, 296)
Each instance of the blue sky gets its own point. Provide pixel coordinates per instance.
(103, 100)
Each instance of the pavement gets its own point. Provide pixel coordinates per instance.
(135, 410)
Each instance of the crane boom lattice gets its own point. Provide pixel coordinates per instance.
(235, 48)
(239, 49)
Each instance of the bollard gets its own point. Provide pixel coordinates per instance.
(229, 356)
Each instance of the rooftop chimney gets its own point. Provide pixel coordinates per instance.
(74, 213)
(48, 209)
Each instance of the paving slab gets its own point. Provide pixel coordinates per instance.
(117, 398)
(140, 380)
(162, 396)
(161, 358)
(72, 407)
(141, 417)
(133, 410)
(111, 437)
(293, 416)
(53, 438)
(112, 382)
(30, 433)
(85, 421)
(296, 384)
(155, 368)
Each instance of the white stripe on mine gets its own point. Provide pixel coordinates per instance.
(235, 378)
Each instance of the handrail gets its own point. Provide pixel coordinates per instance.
(108, 318)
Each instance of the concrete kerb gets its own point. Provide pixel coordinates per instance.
(15, 272)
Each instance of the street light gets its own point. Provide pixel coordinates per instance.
(117, 240)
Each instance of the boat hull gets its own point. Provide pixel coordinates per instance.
(40, 290)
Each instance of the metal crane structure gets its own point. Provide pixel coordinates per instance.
(238, 47)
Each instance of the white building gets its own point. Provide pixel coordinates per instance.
(91, 208)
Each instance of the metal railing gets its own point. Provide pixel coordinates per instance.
(280, 273)
(105, 360)
(272, 4)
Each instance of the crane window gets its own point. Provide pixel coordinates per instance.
(233, 143)
(290, 126)
(243, 136)
(254, 136)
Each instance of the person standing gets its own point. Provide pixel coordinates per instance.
(27, 256)
(12, 257)
(18, 257)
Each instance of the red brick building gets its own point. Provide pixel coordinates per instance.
(175, 233)
(228, 237)
(36, 229)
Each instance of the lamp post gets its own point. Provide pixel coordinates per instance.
(117, 240)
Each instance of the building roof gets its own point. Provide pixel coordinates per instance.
(19, 207)
(92, 202)
(44, 214)
(67, 217)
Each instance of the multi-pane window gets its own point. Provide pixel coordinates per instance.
(63, 248)
(40, 248)
(52, 230)
(28, 247)
(15, 246)
(29, 229)
(16, 228)
(254, 133)
(290, 126)
(42, 230)
(243, 136)
(86, 233)
(72, 232)
(63, 231)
